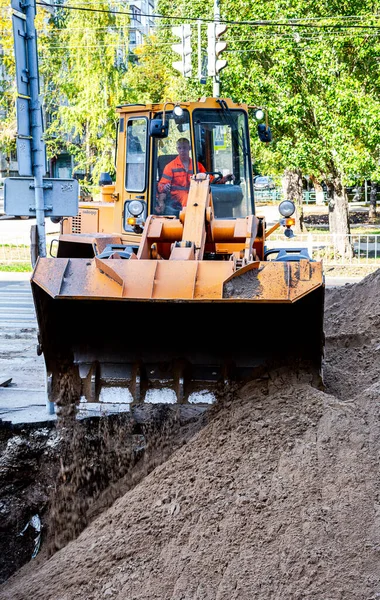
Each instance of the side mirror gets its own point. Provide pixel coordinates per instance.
(264, 132)
(158, 128)
(105, 179)
(289, 233)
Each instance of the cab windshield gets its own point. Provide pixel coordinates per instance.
(222, 146)
(174, 165)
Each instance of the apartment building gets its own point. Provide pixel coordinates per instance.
(141, 21)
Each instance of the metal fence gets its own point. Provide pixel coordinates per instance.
(276, 196)
(14, 250)
(353, 250)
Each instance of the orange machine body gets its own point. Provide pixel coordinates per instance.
(177, 316)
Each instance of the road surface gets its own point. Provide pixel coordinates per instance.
(24, 400)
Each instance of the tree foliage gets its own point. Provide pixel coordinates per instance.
(84, 73)
(7, 78)
(319, 84)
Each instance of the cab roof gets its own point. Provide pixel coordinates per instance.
(168, 105)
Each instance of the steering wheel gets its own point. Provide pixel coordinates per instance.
(218, 173)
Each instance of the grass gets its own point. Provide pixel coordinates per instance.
(349, 271)
(365, 230)
(14, 246)
(21, 267)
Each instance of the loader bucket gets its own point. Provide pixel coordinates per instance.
(172, 331)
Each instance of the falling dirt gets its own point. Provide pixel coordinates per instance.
(273, 494)
(67, 475)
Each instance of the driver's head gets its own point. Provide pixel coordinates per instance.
(183, 147)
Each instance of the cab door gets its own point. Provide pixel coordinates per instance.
(133, 173)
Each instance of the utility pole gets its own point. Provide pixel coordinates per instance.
(38, 146)
(30, 146)
(31, 194)
(216, 77)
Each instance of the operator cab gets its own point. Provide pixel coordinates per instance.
(218, 144)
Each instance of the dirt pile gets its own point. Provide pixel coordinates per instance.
(99, 464)
(276, 497)
(352, 326)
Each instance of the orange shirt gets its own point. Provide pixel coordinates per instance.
(176, 174)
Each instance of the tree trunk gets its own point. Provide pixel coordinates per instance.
(88, 149)
(319, 195)
(372, 201)
(292, 190)
(338, 216)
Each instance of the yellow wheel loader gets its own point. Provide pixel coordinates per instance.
(166, 288)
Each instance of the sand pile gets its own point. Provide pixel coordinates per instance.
(352, 326)
(276, 497)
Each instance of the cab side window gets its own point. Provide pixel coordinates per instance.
(135, 173)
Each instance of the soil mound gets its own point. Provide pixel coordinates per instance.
(352, 326)
(276, 497)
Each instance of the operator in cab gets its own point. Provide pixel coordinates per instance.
(175, 181)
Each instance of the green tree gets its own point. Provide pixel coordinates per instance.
(150, 79)
(7, 88)
(320, 86)
(84, 68)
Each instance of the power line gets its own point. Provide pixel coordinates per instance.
(212, 20)
(264, 38)
(311, 36)
(291, 21)
(56, 30)
(371, 15)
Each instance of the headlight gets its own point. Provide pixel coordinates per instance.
(178, 111)
(135, 208)
(286, 208)
(259, 114)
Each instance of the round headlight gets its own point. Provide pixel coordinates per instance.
(178, 111)
(259, 114)
(287, 208)
(135, 207)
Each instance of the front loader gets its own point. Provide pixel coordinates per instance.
(165, 307)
